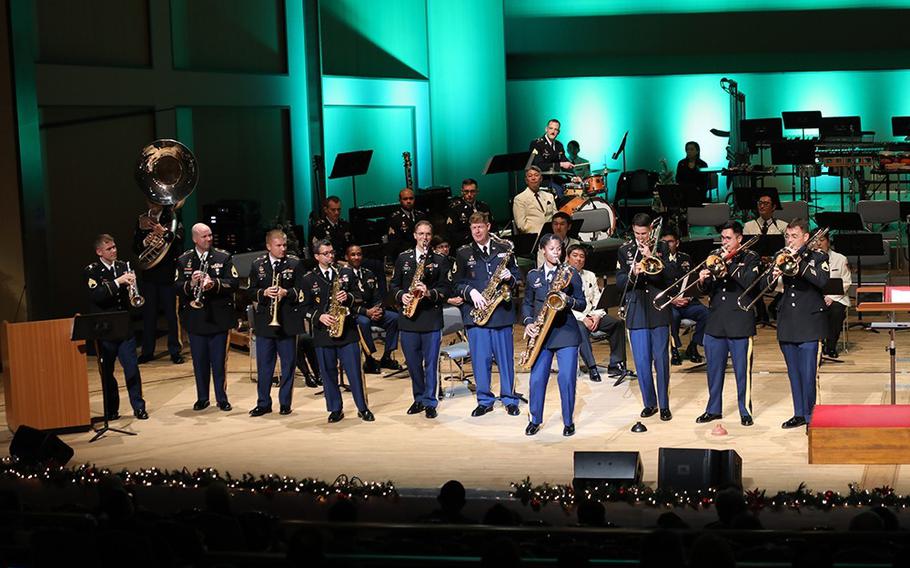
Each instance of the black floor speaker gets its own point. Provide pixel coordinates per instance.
(35, 446)
(593, 468)
(691, 469)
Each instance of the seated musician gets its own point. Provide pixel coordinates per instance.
(766, 224)
(688, 169)
(560, 226)
(678, 264)
(582, 170)
(837, 304)
(460, 211)
(591, 319)
(402, 223)
(532, 207)
(549, 155)
(368, 310)
(330, 226)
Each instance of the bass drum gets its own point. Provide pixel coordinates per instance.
(588, 204)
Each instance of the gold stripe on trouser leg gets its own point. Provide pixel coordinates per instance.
(363, 376)
(179, 327)
(227, 351)
(749, 374)
(818, 364)
(629, 350)
(669, 367)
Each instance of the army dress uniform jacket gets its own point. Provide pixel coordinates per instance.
(459, 220)
(473, 271)
(217, 312)
(317, 297)
(548, 156)
(401, 228)
(725, 317)
(436, 276)
(163, 272)
(564, 330)
(802, 313)
(676, 267)
(640, 310)
(289, 313)
(365, 289)
(339, 234)
(104, 294)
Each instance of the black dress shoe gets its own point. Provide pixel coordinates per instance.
(708, 417)
(794, 422)
(200, 405)
(284, 410)
(225, 406)
(141, 414)
(276, 381)
(366, 415)
(430, 412)
(481, 410)
(415, 408)
(648, 411)
(693, 355)
(370, 366)
(178, 359)
(675, 359)
(569, 430)
(335, 416)
(142, 359)
(746, 420)
(309, 380)
(260, 410)
(532, 429)
(389, 363)
(594, 374)
(665, 414)
(512, 409)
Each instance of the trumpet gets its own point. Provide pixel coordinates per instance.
(136, 300)
(649, 265)
(787, 261)
(198, 290)
(716, 263)
(273, 307)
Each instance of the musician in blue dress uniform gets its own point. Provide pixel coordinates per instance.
(679, 263)
(108, 281)
(730, 330)
(275, 340)
(563, 337)
(316, 288)
(207, 275)
(475, 266)
(802, 319)
(368, 311)
(649, 328)
(421, 334)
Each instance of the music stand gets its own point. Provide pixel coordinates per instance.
(698, 249)
(834, 287)
(768, 245)
(754, 131)
(681, 196)
(900, 126)
(104, 326)
(609, 298)
(801, 120)
(622, 150)
(351, 164)
(840, 221)
(859, 244)
(508, 164)
(839, 127)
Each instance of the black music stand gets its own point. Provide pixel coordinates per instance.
(755, 131)
(351, 164)
(834, 287)
(900, 126)
(859, 244)
(105, 326)
(609, 298)
(508, 164)
(621, 151)
(839, 127)
(801, 120)
(698, 249)
(681, 196)
(794, 153)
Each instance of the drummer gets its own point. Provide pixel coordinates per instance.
(549, 155)
(583, 166)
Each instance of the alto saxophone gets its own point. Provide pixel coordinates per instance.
(336, 309)
(554, 303)
(410, 308)
(494, 293)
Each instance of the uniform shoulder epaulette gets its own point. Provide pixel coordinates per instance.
(261, 257)
(185, 254)
(463, 247)
(222, 251)
(292, 257)
(92, 265)
(407, 251)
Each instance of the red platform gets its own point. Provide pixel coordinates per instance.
(860, 434)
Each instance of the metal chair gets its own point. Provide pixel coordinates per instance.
(790, 210)
(710, 215)
(457, 352)
(878, 215)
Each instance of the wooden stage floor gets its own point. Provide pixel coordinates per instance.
(491, 451)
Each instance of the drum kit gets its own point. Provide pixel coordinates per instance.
(589, 193)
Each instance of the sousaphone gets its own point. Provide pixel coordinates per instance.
(167, 174)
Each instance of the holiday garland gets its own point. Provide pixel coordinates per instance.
(87, 475)
(537, 496)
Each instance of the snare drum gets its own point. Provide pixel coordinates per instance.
(594, 184)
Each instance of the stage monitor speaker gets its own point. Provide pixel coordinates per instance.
(693, 469)
(592, 468)
(35, 446)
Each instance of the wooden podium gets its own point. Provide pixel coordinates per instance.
(45, 377)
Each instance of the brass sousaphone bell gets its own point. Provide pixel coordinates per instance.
(167, 173)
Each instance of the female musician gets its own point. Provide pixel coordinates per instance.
(687, 170)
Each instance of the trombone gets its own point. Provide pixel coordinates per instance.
(716, 263)
(787, 261)
(649, 264)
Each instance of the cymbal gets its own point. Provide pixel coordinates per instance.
(605, 170)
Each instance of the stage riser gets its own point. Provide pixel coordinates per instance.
(867, 446)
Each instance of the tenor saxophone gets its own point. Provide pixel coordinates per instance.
(336, 309)
(494, 293)
(410, 308)
(554, 303)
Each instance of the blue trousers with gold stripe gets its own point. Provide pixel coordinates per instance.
(209, 356)
(485, 343)
(652, 346)
(802, 369)
(716, 351)
(349, 356)
(421, 353)
(567, 361)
